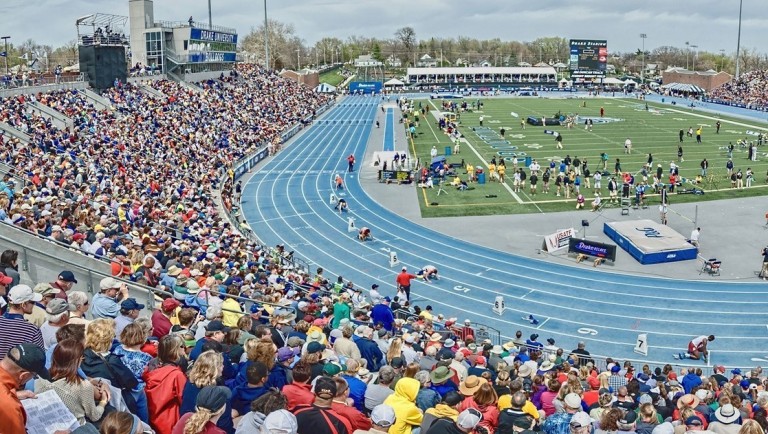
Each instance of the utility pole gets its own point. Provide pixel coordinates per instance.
(687, 44)
(266, 37)
(210, 19)
(642, 71)
(298, 59)
(738, 41)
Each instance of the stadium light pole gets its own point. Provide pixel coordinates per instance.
(722, 58)
(298, 59)
(5, 39)
(642, 71)
(738, 41)
(687, 50)
(266, 37)
(695, 54)
(210, 17)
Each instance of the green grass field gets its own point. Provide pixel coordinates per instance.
(332, 77)
(654, 131)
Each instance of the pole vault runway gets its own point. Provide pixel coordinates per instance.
(287, 201)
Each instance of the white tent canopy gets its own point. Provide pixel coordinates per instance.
(630, 81)
(612, 80)
(325, 88)
(394, 82)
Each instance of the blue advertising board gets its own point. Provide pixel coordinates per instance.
(211, 36)
(365, 86)
(592, 248)
(212, 57)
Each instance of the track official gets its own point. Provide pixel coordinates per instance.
(404, 282)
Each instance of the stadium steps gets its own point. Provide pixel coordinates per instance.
(13, 132)
(98, 101)
(42, 260)
(60, 120)
(152, 91)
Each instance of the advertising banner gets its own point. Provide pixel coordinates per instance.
(558, 240)
(365, 86)
(592, 248)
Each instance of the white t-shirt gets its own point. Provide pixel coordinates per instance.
(695, 235)
(697, 341)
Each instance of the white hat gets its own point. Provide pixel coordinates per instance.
(581, 419)
(280, 422)
(23, 293)
(383, 415)
(108, 283)
(573, 400)
(469, 418)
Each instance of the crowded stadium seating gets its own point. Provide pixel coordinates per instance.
(748, 91)
(146, 189)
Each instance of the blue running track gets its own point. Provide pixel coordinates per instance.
(389, 130)
(286, 201)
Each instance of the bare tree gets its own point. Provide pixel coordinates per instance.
(406, 38)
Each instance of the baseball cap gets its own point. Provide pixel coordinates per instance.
(573, 400)
(281, 422)
(615, 368)
(325, 387)
(387, 299)
(383, 415)
(630, 417)
(213, 398)
(169, 304)
(131, 304)
(285, 353)
(57, 306)
(374, 286)
(31, 358)
(23, 293)
(469, 418)
(331, 369)
(67, 276)
(45, 289)
(550, 341)
(5, 280)
(580, 420)
(693, 420)
(216, 326)
(108, 283)
(315, 347)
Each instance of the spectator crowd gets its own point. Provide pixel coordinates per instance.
(240, 341)
(748, 90)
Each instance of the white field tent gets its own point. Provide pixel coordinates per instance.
(612, 80)
(325, 88)
(393, 83)
(630, 82)
(683, 87)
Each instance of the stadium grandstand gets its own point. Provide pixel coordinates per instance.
(127, 262)
(520, 76)
(747, 91)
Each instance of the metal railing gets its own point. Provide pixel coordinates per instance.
(32, 256)
(196, 24)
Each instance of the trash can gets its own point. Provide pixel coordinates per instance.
(447, 151)
(528, 161)
(481, 178)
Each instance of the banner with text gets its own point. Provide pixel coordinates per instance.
(558, 240)
(592, 248)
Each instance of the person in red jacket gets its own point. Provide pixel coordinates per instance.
(165, 383)
(161, 318)
(300, 391)
(345, 407)
(404, 282)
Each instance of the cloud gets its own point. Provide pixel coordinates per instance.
(710, 24)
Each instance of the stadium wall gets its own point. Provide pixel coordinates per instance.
(703, 80)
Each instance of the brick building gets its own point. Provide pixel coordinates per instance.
(706, 80)
(307, 77)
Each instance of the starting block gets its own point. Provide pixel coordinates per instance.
(351, 225)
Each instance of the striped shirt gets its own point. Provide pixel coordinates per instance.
(16, 330)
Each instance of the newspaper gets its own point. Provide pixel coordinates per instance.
(47, 414)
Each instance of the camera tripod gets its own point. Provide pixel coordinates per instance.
(440, 188)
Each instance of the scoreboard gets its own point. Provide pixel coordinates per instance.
(588, 57)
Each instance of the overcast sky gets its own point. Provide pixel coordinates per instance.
(710, 24)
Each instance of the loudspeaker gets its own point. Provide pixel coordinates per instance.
(103, 64)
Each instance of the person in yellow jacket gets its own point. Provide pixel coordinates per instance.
(231, 308)
(403, 401)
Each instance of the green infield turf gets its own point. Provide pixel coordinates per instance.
(654, 131)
